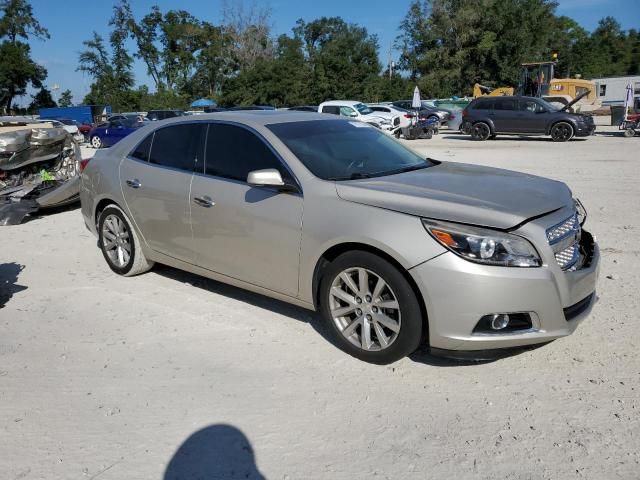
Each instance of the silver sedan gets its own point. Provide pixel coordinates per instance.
(394, 250)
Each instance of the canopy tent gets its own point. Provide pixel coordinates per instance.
(204, 102)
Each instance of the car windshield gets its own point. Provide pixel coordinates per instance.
(362, 108)
(346, 150)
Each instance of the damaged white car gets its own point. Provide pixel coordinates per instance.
(39, 168)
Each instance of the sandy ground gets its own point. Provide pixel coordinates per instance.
(169, 375)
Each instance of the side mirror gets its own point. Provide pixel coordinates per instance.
(269, 177)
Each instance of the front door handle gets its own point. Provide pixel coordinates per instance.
(134, 183)
(204, 201)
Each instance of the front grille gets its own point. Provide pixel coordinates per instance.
(564, 239)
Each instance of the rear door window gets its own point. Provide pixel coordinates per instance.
(233, 152)
(506, 104)
(141, 152)
(179, 146)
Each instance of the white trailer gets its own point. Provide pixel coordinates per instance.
(611, 90)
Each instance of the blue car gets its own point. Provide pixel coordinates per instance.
(111, 132)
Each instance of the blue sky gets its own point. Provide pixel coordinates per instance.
(70, 22)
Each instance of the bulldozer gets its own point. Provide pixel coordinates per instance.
(537, 80)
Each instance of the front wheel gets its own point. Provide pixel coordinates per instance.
(561, 132)
(480, 131)
(370, 308)
(96, 142)
(629, 132)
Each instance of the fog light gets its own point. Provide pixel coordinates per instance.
(500, 321)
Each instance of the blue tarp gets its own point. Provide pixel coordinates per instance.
(80, 113)
(204, 102)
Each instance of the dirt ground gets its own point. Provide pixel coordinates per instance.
(169, 375)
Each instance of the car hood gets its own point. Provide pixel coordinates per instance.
(461, 193)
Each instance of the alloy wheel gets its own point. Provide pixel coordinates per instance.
(116, 241)
(96, 142)
(365, 309)
(480, 131)
(562, 132)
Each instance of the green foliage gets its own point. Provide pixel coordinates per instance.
(66, 99)
(17, 69)
(42, 99)
(448, 45)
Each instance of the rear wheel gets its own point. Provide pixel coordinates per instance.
(480, 131)
(629, 132)
(561, 132)
(96, 142)
(370, 309)
(119, 243)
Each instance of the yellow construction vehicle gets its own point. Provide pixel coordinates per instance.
(537, 80)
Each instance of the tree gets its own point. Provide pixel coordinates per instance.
(66, 99)
(342, 57)
(42, 99)
(17, 69)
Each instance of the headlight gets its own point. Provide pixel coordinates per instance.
(482, 245)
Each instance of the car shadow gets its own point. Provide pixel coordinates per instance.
(218, 451)
(9, 273)
(257, 300)
(523, 138)
(422, 355)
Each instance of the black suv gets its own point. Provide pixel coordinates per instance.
(487, 117)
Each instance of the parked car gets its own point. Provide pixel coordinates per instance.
(304, 108)
(155, 115)
(487, 117)
(391, 112)
(69, 125)
(427, 111)
(111, 132)
(356, 111)
(394, 250)
(133, 117)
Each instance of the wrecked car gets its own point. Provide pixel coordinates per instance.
(39, 168)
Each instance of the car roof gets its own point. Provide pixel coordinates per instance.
(255, 118)
(341, 102)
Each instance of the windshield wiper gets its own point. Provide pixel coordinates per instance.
(409, 168)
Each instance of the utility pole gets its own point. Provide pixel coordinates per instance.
(390, 61)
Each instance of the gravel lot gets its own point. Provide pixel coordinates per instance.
(169, 375)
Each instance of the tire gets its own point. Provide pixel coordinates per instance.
(428, 134)
(465, 127)
(629, 132)
(480, 131)
(434, 117)
(399, 332)
(113, 219)
(96, 142)
(562, 132)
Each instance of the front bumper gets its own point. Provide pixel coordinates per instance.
(585, 130)
(458, 293)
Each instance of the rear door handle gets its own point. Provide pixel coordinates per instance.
(204, 201)
(134, 183)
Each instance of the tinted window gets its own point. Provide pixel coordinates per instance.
(178, 146)
(233, 152)
(531, 106)
(343, 150)
(331, 109)
(141, 152)
(506, 104)
(484, 105)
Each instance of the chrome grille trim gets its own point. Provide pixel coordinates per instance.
(564, 239)
(564, 229)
